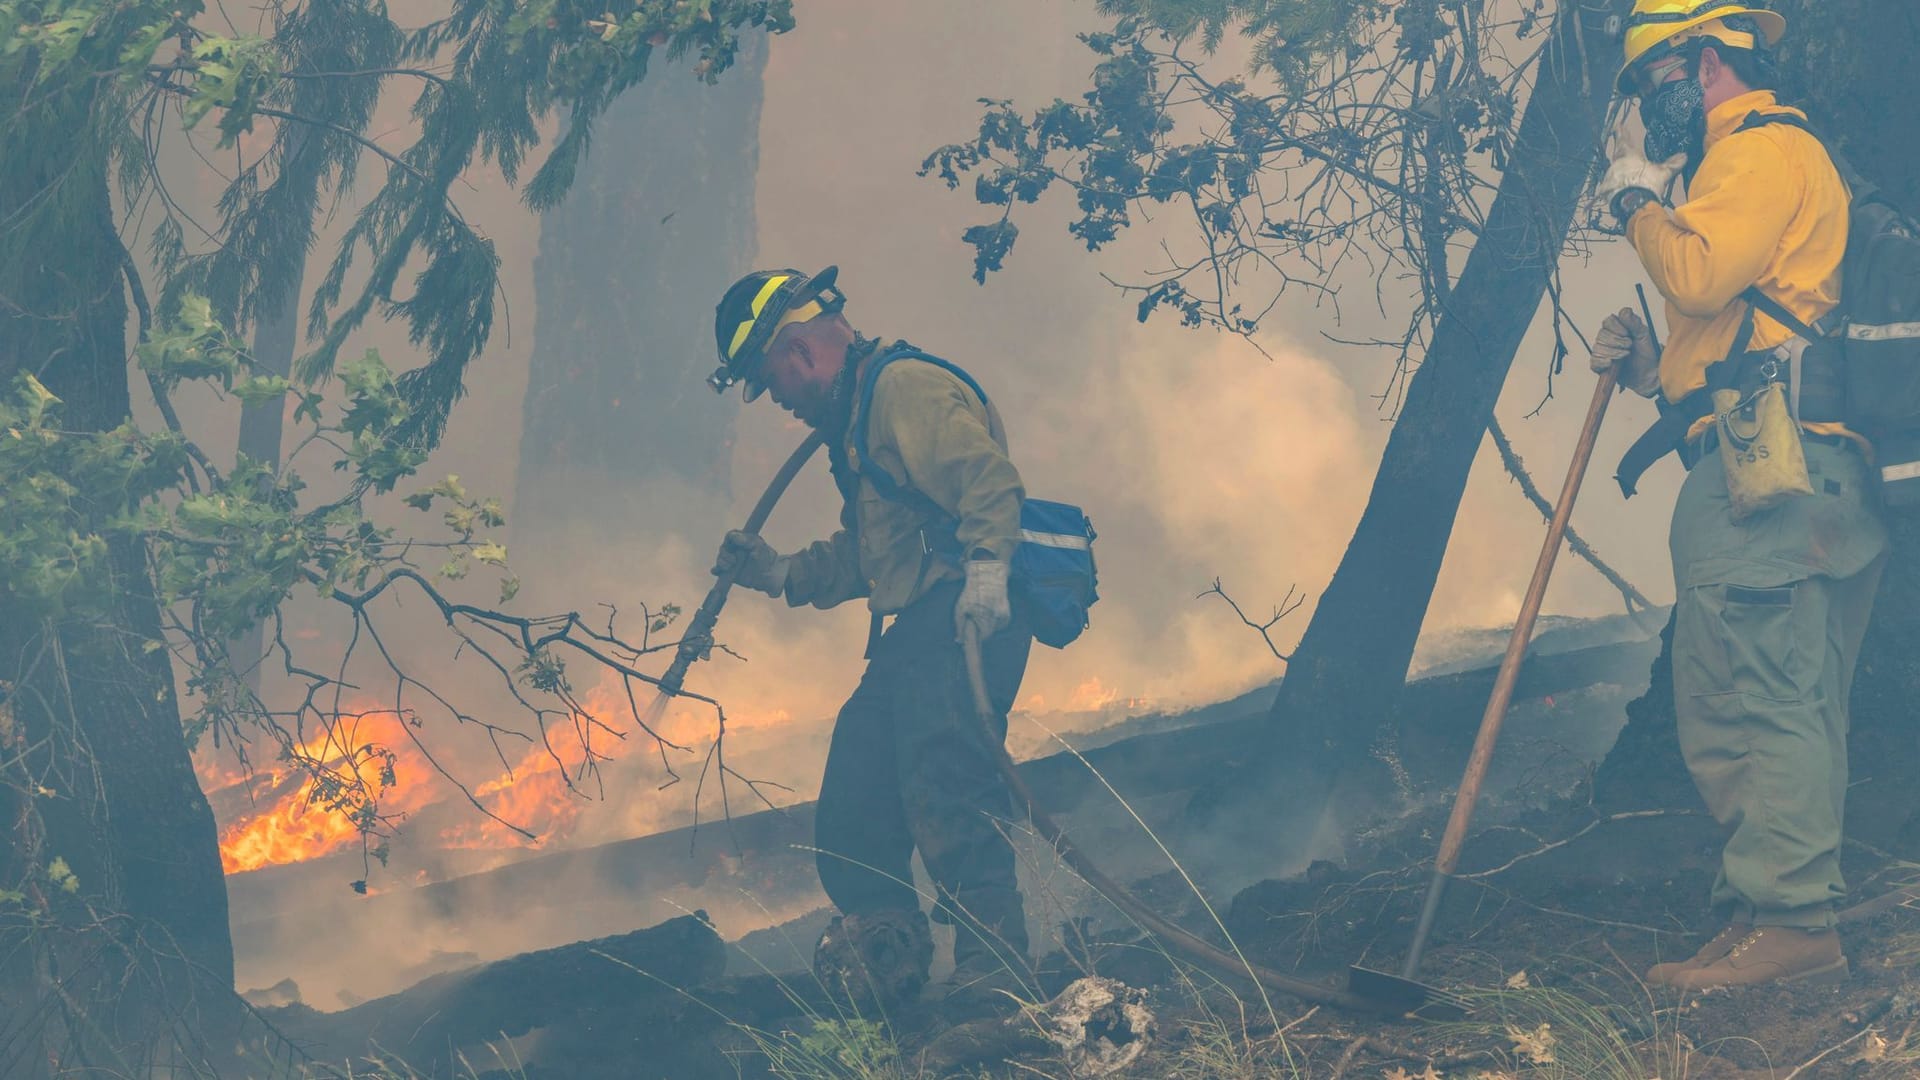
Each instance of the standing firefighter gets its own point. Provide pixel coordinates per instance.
(930, 521)
(1776, 539)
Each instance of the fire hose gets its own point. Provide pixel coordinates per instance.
(697, 642)
(1189, 946)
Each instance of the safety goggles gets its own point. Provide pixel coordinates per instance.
(1650, 77)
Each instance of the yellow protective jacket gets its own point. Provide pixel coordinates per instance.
(1766, 208)
(932, 435)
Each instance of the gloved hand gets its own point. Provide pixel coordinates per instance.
(1624, 342)
(753, 562)
(1628, 170)
(983, 604)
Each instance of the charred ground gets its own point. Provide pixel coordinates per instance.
(1571, 888)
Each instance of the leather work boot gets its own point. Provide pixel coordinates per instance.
(1770, 954)
(874, 959)
(1722, 944)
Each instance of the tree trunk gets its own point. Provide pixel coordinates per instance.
(142, 944)
(621, 436)
(1347, 674)
(260, 432)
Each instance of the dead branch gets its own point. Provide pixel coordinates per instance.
(1287, 606)
(1387, 1051)
(1575, 542)
(1633, 815)
(1815, 1059)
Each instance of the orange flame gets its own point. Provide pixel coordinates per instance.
(545, 792)
(534, 795)
(291, 817)
(1092, 696)
(368, 757)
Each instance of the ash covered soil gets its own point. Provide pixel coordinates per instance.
(1572, 885)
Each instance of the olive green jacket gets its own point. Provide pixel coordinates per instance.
(932, 435)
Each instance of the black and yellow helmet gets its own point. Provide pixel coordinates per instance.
(755, 309)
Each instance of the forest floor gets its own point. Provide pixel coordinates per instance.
(1560, 905)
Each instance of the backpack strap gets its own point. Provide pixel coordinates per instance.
(1859, 188)
(879, 478)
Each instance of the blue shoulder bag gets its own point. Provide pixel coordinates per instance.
(1052, 574)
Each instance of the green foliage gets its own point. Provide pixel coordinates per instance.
(233, 75)
(95, 89)
(192, 345)
(1350, 120)
(376, 412)
(61, 42)
(544, 671)
(489, 72)
(233, 551)
(839, 1048)
(861, 1046)
(62, 876)
(51, 483)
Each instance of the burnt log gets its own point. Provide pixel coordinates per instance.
(616, 980)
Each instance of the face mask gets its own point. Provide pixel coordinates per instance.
(1675, 117)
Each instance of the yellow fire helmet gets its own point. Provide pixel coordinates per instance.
(1656, 26)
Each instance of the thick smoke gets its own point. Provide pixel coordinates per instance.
(1197, 455)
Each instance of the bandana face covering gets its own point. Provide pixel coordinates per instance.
(1675, 117)
(840, 394)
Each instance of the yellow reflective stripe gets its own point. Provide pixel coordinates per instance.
(803, 313)
(740, 333)
(766, 293)
(739, 338)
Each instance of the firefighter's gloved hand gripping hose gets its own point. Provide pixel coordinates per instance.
(697, 642)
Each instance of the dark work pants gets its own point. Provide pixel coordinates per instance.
(910, 768)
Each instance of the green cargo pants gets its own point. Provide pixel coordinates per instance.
(1769, 616)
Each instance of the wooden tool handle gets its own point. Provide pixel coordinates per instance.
(1495, 716)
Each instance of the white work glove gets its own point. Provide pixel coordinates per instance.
(1624, 342)
(983, 607)
(1628, 170)
(753, 563)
